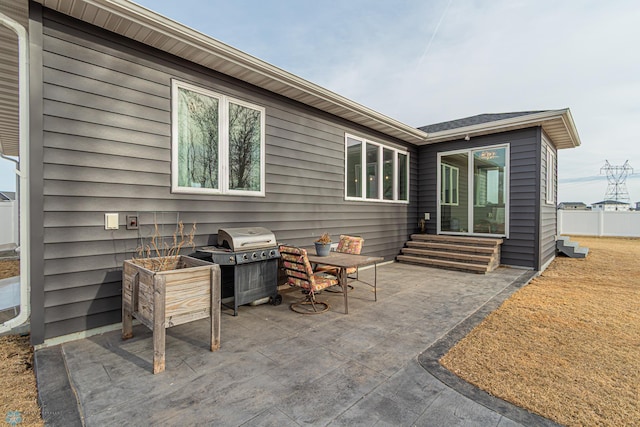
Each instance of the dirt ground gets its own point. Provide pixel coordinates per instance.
(18, 392)
(567, 346)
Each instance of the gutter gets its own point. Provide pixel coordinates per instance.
(22, 170)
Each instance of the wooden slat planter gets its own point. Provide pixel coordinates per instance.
(187, 290)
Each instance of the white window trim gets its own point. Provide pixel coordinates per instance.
(551, 183)
(363, 170)
(223, 148)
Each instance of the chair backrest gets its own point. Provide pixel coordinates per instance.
(350, 244)
(297, 266)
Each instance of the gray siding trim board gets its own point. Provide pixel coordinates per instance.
(104, 148)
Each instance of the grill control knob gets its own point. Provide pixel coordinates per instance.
(272, 253)
(254, 255)
(245, 257)
(263, 254)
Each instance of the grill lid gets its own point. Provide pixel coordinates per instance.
(245, 238)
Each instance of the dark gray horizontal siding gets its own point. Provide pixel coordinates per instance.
(74, 281)
(58, 298)
(97, 314)
(107, 148)
(520, 249)
(90, 225)
(137, 149)
(134, 93)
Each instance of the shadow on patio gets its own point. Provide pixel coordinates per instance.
(276, 367)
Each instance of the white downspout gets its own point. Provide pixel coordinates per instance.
(23, 173)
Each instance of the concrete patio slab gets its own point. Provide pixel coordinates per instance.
(279, 368)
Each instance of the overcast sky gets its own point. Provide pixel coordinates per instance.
(423, 62)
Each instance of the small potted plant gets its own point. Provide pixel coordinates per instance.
(323, 245)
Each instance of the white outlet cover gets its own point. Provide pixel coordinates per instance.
(111, 221)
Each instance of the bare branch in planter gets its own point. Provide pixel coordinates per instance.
(158, 255)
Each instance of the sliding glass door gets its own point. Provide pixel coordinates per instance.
(474, 191)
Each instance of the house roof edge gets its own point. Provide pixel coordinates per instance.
(127, 18)
(558, 124)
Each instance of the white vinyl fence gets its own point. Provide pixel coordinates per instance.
(599, 223)
(8, 223)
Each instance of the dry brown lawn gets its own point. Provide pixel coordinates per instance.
(18, 392)
(567, 346)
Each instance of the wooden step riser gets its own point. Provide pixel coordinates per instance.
(452, 256)
(460, 266)
(470, 241)
(454, 247)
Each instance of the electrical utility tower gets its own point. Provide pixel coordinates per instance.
(617, 181)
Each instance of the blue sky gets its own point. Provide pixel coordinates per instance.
(423, 62)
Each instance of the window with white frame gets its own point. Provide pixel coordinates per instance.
(217, 143)
(551, 177)
(375, 172)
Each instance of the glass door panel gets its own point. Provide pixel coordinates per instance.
(489, 190)
(454, 200)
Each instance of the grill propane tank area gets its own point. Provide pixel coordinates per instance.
(248, 259)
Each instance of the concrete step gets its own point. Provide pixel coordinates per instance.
(569, 248)
(463, 266)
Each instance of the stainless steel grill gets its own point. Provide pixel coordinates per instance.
(248, 258)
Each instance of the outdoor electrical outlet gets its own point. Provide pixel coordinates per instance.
(427, 216)
(111, 221)
(132, 222)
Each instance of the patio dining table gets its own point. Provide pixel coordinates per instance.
(344, 261)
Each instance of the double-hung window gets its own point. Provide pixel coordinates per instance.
(217, 143)
(375, 172)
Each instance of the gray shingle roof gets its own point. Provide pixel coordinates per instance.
(474, 120)
(611, 202)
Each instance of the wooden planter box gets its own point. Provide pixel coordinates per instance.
(188, 289)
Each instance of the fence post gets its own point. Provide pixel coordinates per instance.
(559, 223)
(600, 222)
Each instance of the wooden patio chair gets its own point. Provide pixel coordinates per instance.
(299, 273)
